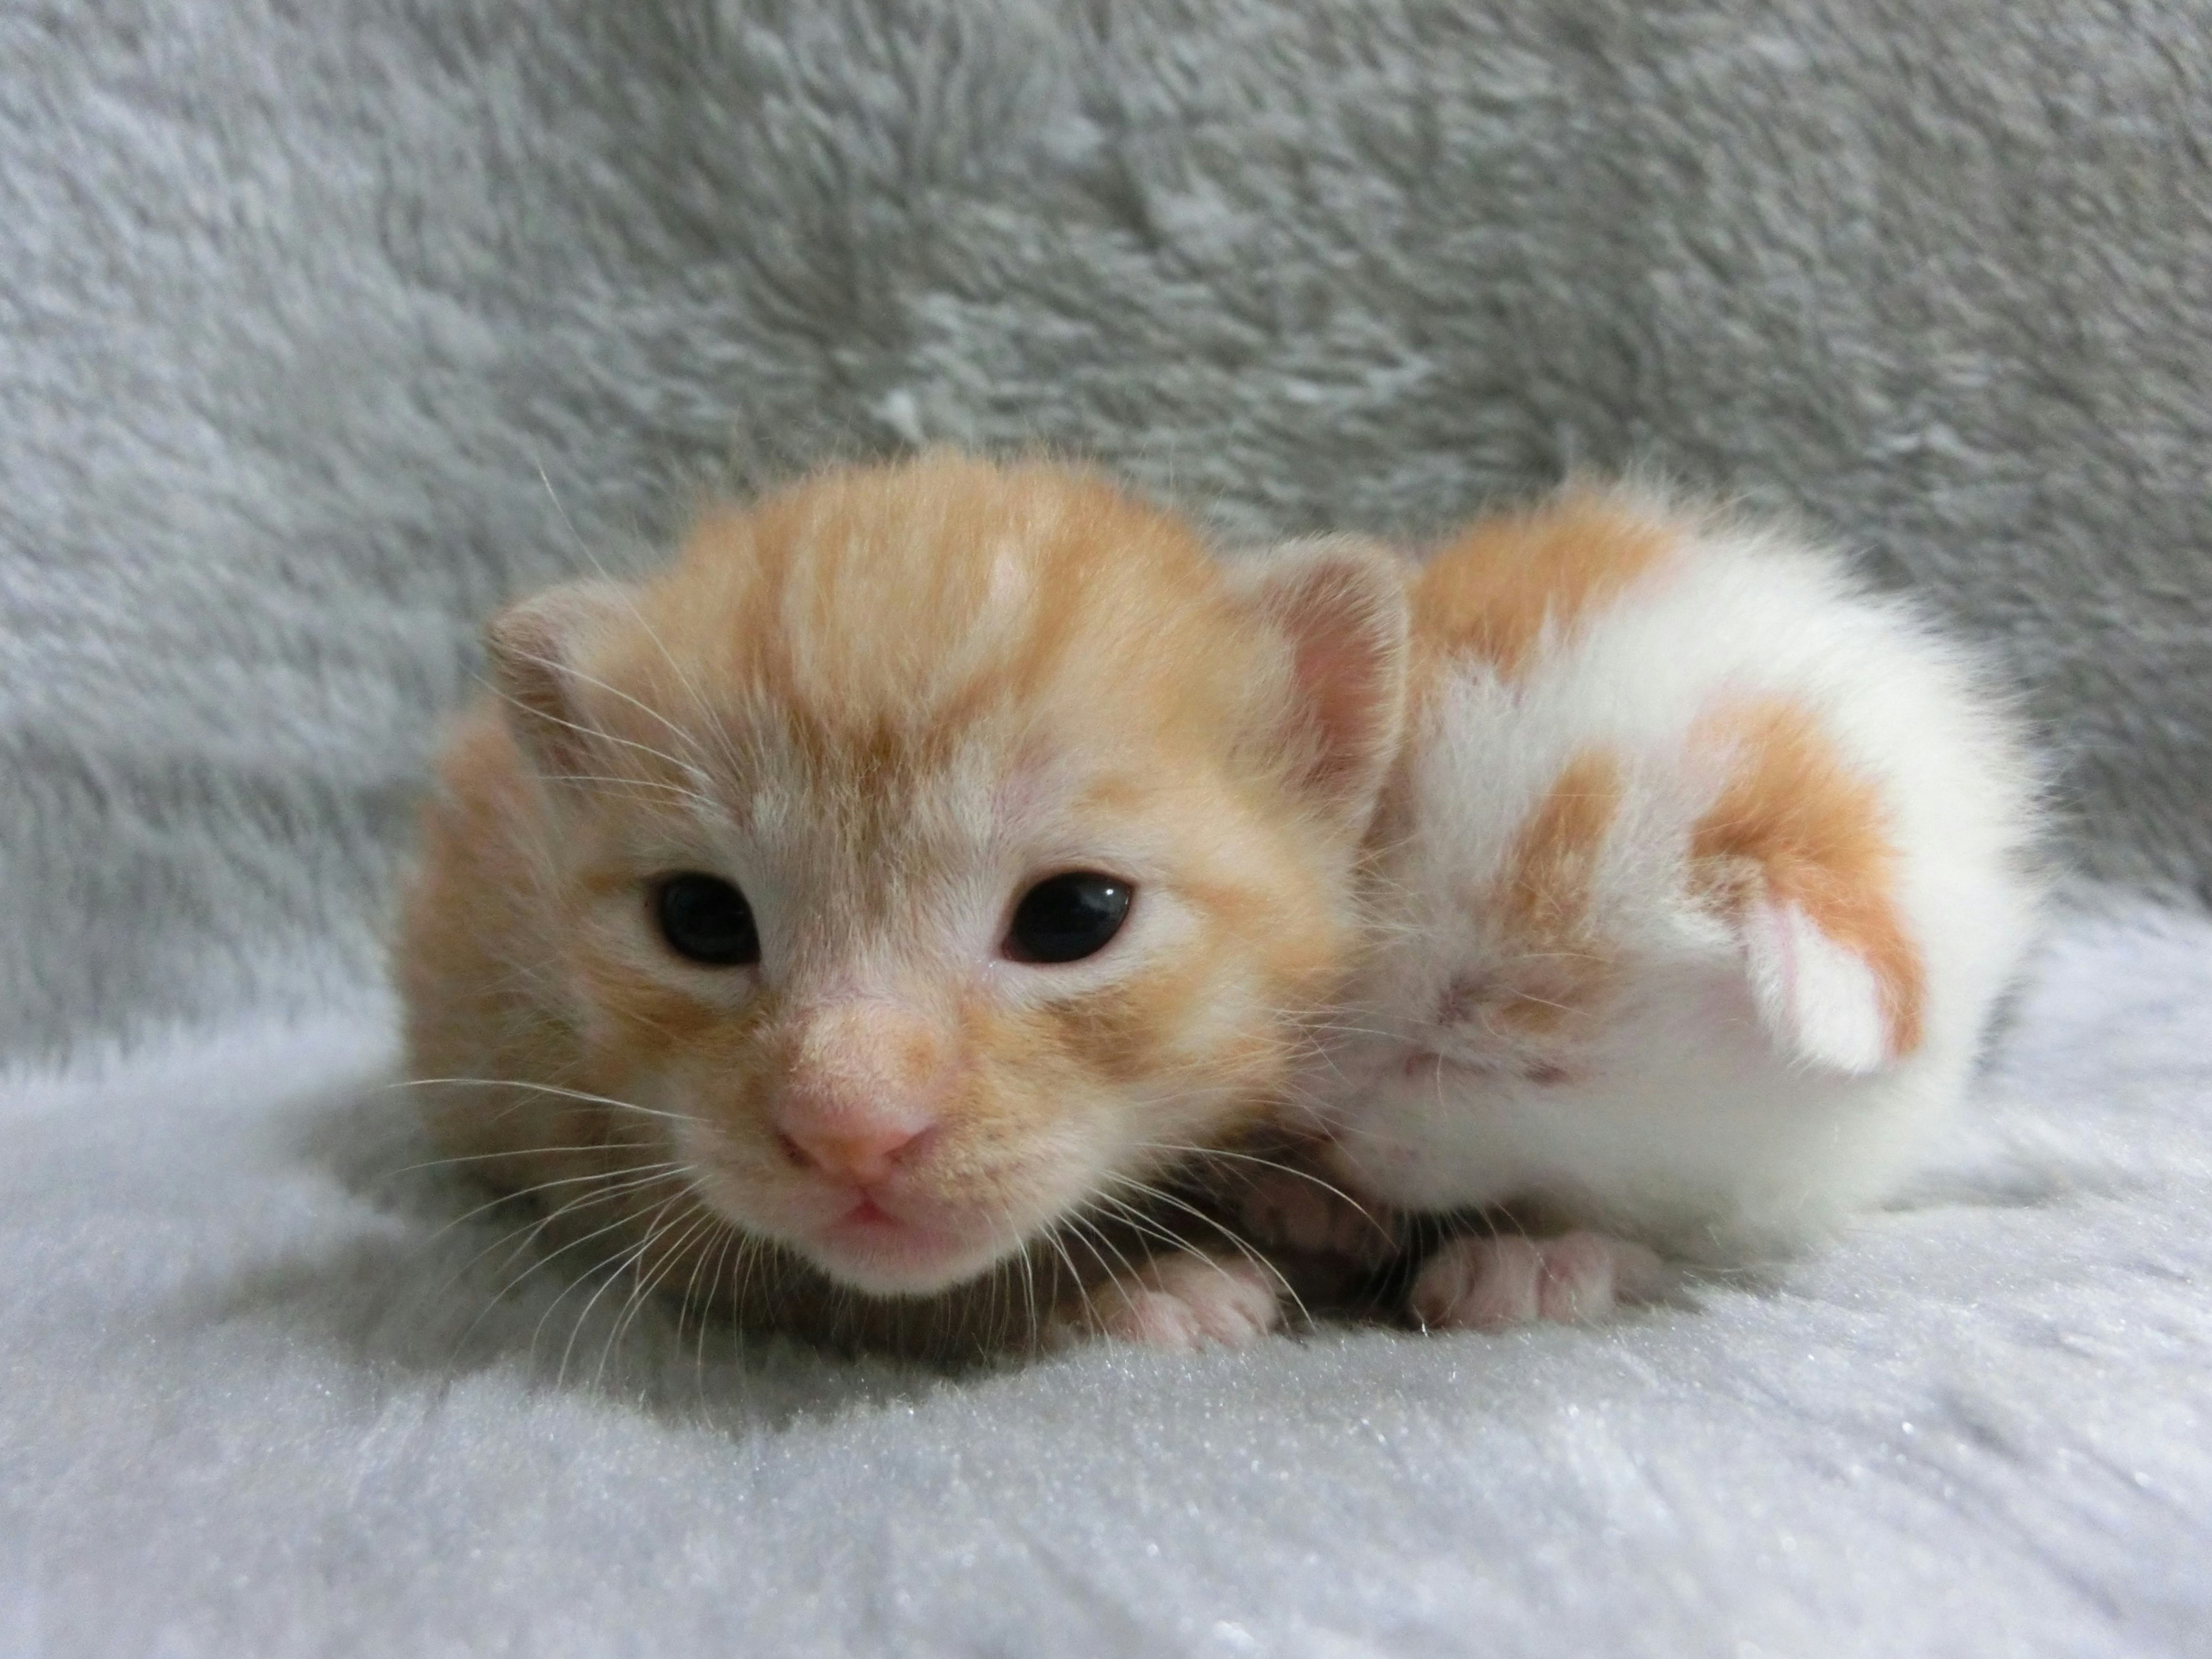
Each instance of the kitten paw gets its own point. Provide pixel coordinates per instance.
(1186, 1303)
(1487, 1283)
(1291, 1212)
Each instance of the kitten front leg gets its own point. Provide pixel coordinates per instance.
(1488, 1282)
(1288, 1210)
(1295, 1194)
(1181, 1302)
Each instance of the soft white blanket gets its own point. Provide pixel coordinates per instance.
(260, 1398)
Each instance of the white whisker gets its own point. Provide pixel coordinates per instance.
(540, 1088)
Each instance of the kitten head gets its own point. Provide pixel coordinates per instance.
(1697, 874)
(946, 847)
(1627, 933)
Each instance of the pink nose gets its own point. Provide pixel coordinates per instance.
(867, 1078)
(862, 1154)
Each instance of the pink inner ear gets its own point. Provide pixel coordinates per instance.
(533, 644)
(1344, 613)
(1348, 679)
(1821, 1001)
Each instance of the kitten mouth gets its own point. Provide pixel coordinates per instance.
(877, 1240)
(876, 1249)
(870, 1224)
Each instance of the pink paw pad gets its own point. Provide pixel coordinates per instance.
(1487, 1284)
(1185, 1303)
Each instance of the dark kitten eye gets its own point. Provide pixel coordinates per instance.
(1067, 918)
(706, 918)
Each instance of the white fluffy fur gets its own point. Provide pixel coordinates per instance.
(1735, 1098)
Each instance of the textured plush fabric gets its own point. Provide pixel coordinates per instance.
(299, 301)
(259, 1400)
(309, 312)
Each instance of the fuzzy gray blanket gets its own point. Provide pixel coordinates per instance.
(312, 311)
(328, 325)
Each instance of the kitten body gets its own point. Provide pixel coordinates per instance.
(1700, 873)
(865, 718)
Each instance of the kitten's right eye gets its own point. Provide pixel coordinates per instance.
(705, 919)
(1068, 917)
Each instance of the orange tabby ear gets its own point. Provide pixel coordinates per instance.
(535, 646)
(1795, 850)
(1339, 606)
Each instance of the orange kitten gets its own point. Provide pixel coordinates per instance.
(853, 921)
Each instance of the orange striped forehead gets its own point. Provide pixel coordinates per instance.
(882, 610)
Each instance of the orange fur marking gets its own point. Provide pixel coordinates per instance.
(1495, 590)
(1545, 897)
(1795, 815)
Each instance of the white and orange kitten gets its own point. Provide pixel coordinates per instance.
(856, 923)
(1699, 873)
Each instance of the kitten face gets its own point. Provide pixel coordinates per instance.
(939, 849)
(1504, 978)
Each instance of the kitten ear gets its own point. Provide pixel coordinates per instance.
(534, 646)
(1795, 853)
(1827, 1001)
(1338, 604)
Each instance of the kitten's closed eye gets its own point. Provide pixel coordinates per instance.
(1066, 918)
(705, 919)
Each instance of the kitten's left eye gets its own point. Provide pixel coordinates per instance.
(1069, 917)
(704, 918)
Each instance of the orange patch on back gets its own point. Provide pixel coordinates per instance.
(1495, 590)
(1795, 817)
